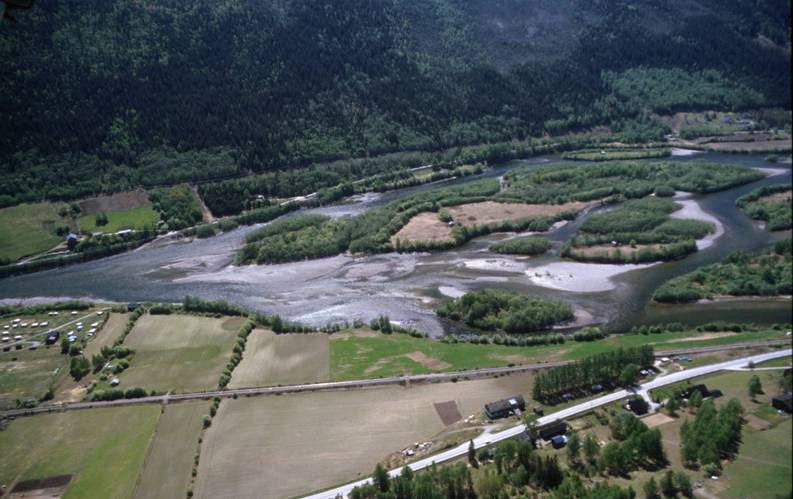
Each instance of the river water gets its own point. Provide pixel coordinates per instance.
(406, 286)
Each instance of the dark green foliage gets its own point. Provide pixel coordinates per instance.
(636, 446)
(740, 274)
(497, 310)
(714, 434)
(578, 377)
(204, 231)
(79, 367)
(530, 245)
(776, 213)
(177, 205)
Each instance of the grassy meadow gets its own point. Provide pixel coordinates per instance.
(134, 218)
(27, 229)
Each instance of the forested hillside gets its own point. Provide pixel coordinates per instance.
(102, 95)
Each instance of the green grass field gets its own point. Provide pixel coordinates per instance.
(367, 354)
(166, 473)
(135, 218)
(27, 229)
(179, 352)
(764, 464)
(102, 448)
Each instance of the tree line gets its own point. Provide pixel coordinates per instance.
(605, 369)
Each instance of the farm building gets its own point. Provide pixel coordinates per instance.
(638, 406)
(503, 408)
(783, 403)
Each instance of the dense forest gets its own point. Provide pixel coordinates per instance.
(107, 95)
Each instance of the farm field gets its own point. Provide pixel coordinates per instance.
(424, 227)
(166, 472)
(366, 354)
(271, 446)
(134, 218)
(91, 445)
(179, 352)
(764, 463)
(27, 229)
(30, 375)
(272, 359)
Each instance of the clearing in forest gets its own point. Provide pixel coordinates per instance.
(422, 228)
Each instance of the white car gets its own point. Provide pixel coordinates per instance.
(100, 312)
(44, 324)
(35, 324)
(17, 337)
(94, 324)
(74, 312)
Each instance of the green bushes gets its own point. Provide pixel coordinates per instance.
(776, 212)
(767, 274)
(177, 205)
(530, 245)
(497, 310)
(236, 355)
(204, 231)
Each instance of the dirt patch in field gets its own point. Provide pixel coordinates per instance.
(512, 358)
(777, 196)
(115, 202)
(428, 362)
(756, 423)
(489, 212)
(657, 420)
(424, 227)
(53, 486)
(448, 412)
(707, 336)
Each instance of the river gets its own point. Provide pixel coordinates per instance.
(406, 286)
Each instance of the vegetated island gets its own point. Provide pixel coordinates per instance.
(740, 274)
(640, 230)
(498, 310)
(528, 245)
(527, 198)
(615, 153)
(771, 204)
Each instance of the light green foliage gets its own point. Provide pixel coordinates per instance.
(776, 213)
(28, 228)
(135, 218)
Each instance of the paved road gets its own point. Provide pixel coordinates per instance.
(490, 438)
(347, 385)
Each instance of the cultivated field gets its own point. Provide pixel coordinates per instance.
(273, 359)
(166, 472)
(424, 227)
(27, 229)
(103, 449)
(489, 212)
(179, 352)
(292, 444)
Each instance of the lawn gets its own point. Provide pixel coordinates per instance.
(28, 229)
(780, 362)
(134, 218)
(30, 375)
(764, 464)
(166, 472)
(102, 448)
(107, 334)
(272, 359)
(179, 352)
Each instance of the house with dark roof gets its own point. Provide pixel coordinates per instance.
(503, 408)
(783, 403)
(638, 406)
(552, 430)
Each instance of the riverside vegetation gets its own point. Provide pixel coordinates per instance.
(604, 183)
(770, 204)
(767, 274)
(498, 310)
(529, 245)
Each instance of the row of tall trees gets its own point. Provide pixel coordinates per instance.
(605, 368)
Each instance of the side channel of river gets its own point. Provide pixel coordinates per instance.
(405, 286)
